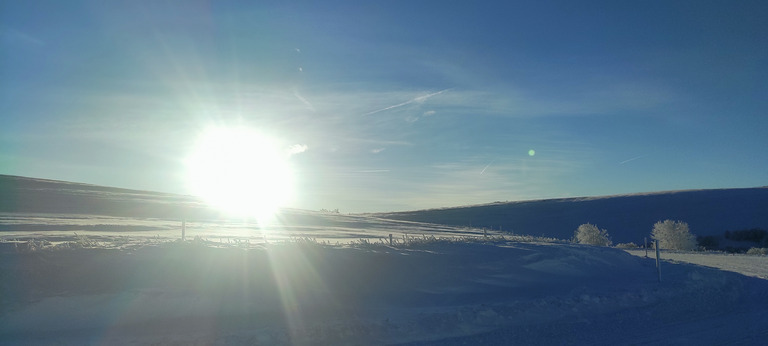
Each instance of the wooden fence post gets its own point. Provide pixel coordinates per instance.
(658, 263)
(645, 239)
(390, 239)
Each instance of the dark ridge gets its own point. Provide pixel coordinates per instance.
(44, 196)
(628, 218)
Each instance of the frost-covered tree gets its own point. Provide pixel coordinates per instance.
(590, 234)
(673, 235)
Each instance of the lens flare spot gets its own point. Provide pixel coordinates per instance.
(531, 152)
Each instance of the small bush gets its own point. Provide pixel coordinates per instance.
(626, 246)
(757, 251)
(591, 235)
(82, 241)
(32, 245)
(673, 235)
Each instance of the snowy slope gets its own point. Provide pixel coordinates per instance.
(440, 293)
(31, 195)
(749, 265)
(56, 210)
(628, 218)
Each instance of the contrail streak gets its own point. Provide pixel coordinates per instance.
(486, 167)
(632, 159)
(303, 100)
(417, 99)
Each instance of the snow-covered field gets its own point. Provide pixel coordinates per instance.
(425, 292)
(749, 265)
(90, 265)
(296, 224)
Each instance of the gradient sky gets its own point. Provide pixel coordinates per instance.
(400, 104)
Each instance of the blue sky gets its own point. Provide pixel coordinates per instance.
(400, 104)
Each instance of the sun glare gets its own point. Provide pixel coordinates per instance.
(240, 172)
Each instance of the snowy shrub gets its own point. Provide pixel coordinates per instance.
(673, 235)
(626, 246)
(757, 251)
(591, 235)
(82, 241)
(32, 245)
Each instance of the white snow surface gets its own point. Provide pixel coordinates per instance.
(750, 265)
(435, 293)
(90, 265)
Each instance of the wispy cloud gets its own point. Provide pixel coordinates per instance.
(303, 100)
(297, 149)
(13, 36)
(375, 142)
(632, 159)
(378, 150)
(414, 100)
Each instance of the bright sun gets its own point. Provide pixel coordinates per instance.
(240, 172)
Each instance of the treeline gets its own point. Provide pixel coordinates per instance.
(757, 236)
(754, 235)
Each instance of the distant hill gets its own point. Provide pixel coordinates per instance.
(628, 218)
(36, 201)
(24, 195)
(31, 195)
